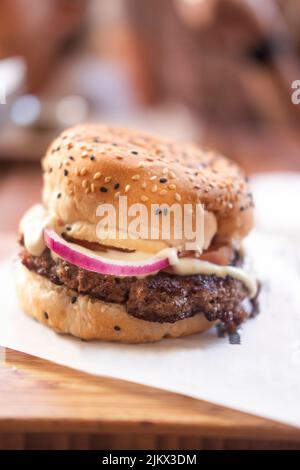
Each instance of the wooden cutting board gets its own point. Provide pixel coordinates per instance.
(44, 405)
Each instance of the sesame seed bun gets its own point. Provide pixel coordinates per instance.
(89, 319)
(93, 164)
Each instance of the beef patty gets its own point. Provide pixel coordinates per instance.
(162, 297)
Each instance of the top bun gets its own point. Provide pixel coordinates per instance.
(92, 164)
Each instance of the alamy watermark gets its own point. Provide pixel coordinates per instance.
(152, 222)
(296, 93)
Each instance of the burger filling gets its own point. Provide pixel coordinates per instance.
(213, 282)
(163, 297)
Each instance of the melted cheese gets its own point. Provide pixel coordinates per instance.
(36, 219)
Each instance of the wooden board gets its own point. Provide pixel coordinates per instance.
(38, 396)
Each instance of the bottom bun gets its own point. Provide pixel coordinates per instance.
(89, 318)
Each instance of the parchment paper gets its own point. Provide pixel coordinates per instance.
(260, 376)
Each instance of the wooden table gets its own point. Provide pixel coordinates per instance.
(46, 406)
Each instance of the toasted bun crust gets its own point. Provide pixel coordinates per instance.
(93, 319)
(92, 164)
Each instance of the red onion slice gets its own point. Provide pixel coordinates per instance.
(92, 262)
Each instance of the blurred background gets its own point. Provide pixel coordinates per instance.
(219, 72)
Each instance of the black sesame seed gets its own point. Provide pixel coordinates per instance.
(163, 180)
(71, 158)
(134, 152)
(96, 140)
(103, 189)
(59, 196)
(114, 144)
(66, 172)
(73, 299)
(92, 158)
(50, 170)
(117, 328)
(116, 186)
(68, 228)
(46, 315)
(158, 212)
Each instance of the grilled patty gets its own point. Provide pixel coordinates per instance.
(162, 297)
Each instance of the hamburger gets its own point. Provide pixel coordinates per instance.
(111, 282)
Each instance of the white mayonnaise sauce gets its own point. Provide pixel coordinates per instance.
(32, 227)
(36, 220)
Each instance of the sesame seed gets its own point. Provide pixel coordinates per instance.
(163, 192)
(134, 152)
(135, 177)
(97, 175)
(127, 187)
(172, 186)
(93, 187)
(68, 228)
(152, 178)
(92, 158)
(87, 191)
(116, 186)
(50, 170)
(163, 180)
(107, 179)
(119, 157)
(103, 189)
(83, 171)
(117, 328)
(117, 194)
(154, 188)
(197, 186)
(144, 185)
(177, 197)
(66, 172)
(144, 198)
(73, 299)
(84, 155)
(149, 159)
(165, 171)
(172, 174)
(84, 183)
(71, 158)
(46, 315)
(59, 196)
(69, 146)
